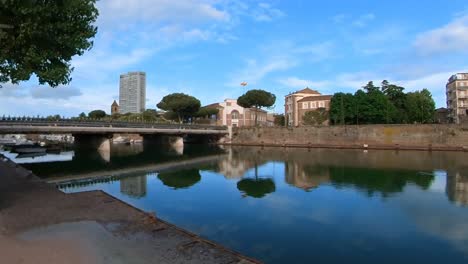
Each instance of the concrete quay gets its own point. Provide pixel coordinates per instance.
(40, 224)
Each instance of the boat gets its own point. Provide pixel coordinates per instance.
(28, 149)
(30, 155)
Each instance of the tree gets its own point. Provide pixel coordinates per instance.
(150, 115)
(279, 120)
(182, 104)
(207, 112)
(397, 98)
(82, 115)
(420, 106)
(315, 117)
(342, 109)
(370, 87)
(41, 37)
(256, 99)
(97, 114)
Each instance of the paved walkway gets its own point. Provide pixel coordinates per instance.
(40, 224)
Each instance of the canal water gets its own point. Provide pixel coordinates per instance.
(283, 205)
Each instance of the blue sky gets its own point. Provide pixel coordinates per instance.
(207, 48)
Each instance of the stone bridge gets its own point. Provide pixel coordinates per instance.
(95, 132)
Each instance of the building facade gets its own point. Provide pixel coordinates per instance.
(132, 94)
(232, 114)
(457, 98)
(114, 108)
(300, 102)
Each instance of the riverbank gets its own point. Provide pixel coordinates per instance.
(384, 137)
(40, 224)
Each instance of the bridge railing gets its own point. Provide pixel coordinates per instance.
(102, 123)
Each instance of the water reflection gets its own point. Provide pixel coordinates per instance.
(134, 186)
(180, 179)
(457, 188)
(335, 205)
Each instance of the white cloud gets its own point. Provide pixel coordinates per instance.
(254, 71)
(120, 12)
(338, 19)
(265, 13)
(363, 20)
(60, 92)
(294, 82)
(449, 38)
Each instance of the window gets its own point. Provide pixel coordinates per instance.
(305, 105)
(313, 105)
(321, 104)
(235, 114)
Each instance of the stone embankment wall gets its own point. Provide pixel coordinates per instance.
(431, 137)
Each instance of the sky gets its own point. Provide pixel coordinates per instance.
(206, 48)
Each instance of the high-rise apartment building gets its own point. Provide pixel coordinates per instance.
(457, 97)
(132, 96)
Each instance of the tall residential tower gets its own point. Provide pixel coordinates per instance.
(457, 97)
(132, 97)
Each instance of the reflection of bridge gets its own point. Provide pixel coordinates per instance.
(96, 132)
(94, 177)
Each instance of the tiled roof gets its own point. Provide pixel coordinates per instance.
(316, 98)
(214, 105)
(115, 103)
(307, 90)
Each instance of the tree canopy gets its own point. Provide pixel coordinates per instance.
(97, 114)
(315, 117)
(387, 104)
(256, 99)
(280, 120)
(41, 37)
(183, 105)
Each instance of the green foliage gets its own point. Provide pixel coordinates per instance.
(421, 107)
(150, 115)
(207, 112)
(280, 120)
(315, 117)
(82, 115)
(256, 99)
(41, 37)
(385, 105)
(183, 105)
(97, 114)
(53, 117)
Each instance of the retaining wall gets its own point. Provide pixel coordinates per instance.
(436, 137)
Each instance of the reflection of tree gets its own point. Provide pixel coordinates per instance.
(180, 178)
(257, 187)
(384, 181)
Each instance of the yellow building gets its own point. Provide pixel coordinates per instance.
(300, 102)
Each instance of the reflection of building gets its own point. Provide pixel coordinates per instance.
(114, 108)
(300, 102)
(232, 114)
(457, 188)
(457, 97)
(303, 177)
(132, 96)
(133, 186)
(234, 167)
